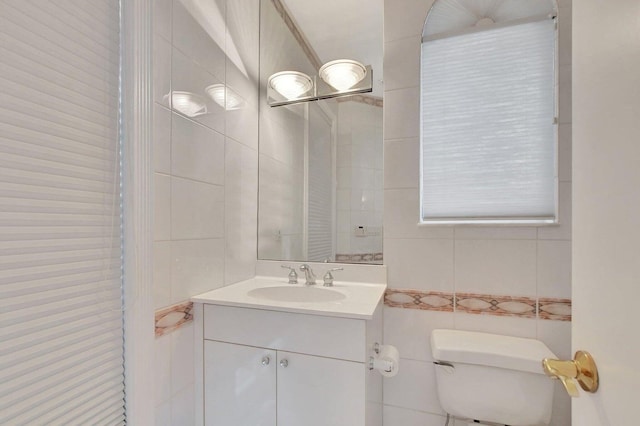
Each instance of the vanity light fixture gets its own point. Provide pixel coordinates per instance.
(188, 103)
(343, 77)
(291, 84)
(224, 96)
(342, 74)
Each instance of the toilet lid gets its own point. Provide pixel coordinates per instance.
(513, 353)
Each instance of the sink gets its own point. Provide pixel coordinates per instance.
(297, 294)
(346, 299)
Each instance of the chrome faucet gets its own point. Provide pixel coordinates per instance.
(293, 275)
(308, 274)
(328, 277)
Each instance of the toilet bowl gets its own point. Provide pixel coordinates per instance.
(492, 378)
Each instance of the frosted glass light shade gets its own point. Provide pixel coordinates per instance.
(342, 74)
(224, 96)
(291, 84)
(188, 103)
(217, 93)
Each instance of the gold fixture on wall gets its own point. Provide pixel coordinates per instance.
(581, 369)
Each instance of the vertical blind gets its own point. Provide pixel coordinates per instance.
(321, 187)
(61, 340)
(488, 132)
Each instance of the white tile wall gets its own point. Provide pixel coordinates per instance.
(409, 330)
(162, 207)
(516, 261)
(161, 139)
(496, 267)
(554, 268)
(405, 417)
(241, 205)
(414, 387)
(198, 266)
(162, 273)
(197, 152)
(174, 378)
(197, 210)
(423, 264)
(206, 174)
(401, 170)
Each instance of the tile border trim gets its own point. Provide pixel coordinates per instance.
(363, 99)
(480, 304)
(554, 309)
(488, 304)
(417, 299)
(359, 257)
(173, 317)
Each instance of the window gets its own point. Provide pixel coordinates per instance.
(61, 255)
(488, 108)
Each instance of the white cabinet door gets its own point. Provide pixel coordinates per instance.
(239, 385)
(316, 391)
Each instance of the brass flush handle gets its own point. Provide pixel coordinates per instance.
(582, 368)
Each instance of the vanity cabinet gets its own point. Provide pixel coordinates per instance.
(237, 377)
(273, 368)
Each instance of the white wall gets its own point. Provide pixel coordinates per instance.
(509, 261)
(206, 171)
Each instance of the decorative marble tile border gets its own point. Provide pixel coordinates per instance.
(364, 99)
(416, 299)
(173, 317)
(554, 309)
(483, 304)
(496, 305)
(359, 257)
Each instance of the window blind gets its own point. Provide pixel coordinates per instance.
(61, 350)
(321, 188)
(488, 134)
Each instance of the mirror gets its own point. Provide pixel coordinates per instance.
(320, 162)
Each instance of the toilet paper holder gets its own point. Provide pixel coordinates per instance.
(377, 361)
(373, 358)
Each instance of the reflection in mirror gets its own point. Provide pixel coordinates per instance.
(320, 165)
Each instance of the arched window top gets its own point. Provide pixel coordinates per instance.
(448, 17)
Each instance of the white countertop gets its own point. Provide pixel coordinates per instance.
(361, 299)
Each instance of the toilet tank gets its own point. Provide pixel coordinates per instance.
(492, 378)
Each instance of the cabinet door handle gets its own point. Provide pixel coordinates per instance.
(284, 363)
(266, 360)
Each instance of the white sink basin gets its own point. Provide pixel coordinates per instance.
(297, 294)
(344, 299)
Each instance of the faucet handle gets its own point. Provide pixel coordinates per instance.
(293, 275)
(328, 277)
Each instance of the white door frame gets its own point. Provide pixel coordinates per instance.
(137, 177)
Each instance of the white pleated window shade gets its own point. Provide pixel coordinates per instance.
(320, 188)
(488, 125)
(61, 340)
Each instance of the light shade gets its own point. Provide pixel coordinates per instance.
(291, 84)
(342, 74)
(188, 103)
(224, 96)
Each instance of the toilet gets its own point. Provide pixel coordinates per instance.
(492, 379)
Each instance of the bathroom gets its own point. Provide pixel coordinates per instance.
(158, 112)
